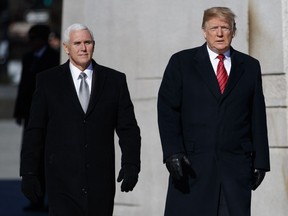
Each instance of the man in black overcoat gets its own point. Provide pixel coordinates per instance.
(212, 122)
(77, 140)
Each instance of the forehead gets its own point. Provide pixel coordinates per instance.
(80, 35)
(217, 21)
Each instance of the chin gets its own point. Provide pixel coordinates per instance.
(222, 49)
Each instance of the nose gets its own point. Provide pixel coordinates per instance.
(83, 46)
(219, 31)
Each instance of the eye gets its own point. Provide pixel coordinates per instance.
(225, 28)
(214, 28)
(88, 42)
(76, 43)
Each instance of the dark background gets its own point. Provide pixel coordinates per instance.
(16, 17)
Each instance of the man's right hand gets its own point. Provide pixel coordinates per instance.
(31, 188)
(176, 163)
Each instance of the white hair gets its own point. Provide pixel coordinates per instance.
(75, 27)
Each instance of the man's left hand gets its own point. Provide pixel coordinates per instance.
(129, 175)
(258, 177)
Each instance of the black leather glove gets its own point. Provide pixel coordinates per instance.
(176, 164)
(31, 188)
(18, 121)
(258, 177)
(129, 175)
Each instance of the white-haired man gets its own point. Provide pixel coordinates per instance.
(76, 108)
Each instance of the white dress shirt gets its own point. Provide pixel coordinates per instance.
(214, 60)
(75, 75)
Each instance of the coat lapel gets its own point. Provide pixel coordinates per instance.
(68, 87)
(69, 90)
(236, 72)
(98, 81)
(206, 71)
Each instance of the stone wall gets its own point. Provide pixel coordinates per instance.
(268, 43)
(138, 38)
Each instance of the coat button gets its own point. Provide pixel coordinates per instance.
(84, 190)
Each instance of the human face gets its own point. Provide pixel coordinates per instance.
(218, 34)
(80, 48)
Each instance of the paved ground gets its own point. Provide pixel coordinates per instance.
(12, 201)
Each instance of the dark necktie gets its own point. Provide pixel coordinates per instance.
(222, 75)
(84, 91)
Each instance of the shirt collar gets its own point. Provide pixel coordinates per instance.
(214, 55)
(75, 71)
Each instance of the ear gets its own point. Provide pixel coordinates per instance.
(204, 33)
(66, 49)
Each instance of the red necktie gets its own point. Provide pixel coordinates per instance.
(222, 75)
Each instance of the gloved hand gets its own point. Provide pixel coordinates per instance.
(129, 175)
(258, 177)
(18, 121)
(176, 163)
(31, 188)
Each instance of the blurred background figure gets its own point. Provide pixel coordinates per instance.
(55, 40)
(41, 57)
(4, 42)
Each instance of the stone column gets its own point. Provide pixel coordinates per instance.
(268, 42)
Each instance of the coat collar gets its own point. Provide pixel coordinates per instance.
(205, 69)
(98, 80)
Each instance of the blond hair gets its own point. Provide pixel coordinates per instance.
(222, 13)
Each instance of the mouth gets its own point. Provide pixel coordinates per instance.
(83, 55)
(220, 43)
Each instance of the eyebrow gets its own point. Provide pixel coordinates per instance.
(85, 41)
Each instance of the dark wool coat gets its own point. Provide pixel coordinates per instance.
(224, 136)
(79, 147)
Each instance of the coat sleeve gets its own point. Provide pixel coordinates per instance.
(259, 127)
(127, 128)
(169, 109)
(32, 152)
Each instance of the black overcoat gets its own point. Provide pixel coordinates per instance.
(224, 136)
(79, 147)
